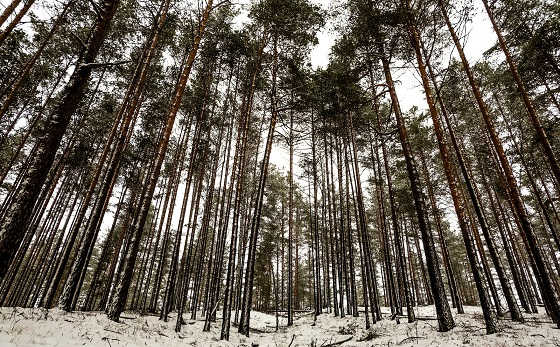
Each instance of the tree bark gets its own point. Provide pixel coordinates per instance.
(445, 319)
(119, 300)
(533, 117)
(512, 187)
(17, 218)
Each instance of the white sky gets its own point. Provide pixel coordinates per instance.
(479, 37)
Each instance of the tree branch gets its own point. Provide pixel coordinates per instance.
(96, 8)
(220, 4)
(97, 65)
(80, 41)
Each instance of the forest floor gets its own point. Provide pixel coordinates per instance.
(40, 327)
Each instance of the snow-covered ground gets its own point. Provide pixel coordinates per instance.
(39, 327)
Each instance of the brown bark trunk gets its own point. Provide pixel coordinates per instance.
(119, 300)
(445, 318)
(512, 186)
(17, 218)
(533, 117)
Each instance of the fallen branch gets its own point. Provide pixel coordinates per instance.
(411, 338)
(112, 331)
(105, 338)
(293, 338)
(339, 342)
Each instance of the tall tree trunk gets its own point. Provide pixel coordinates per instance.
(291, 224)
(239, 167)
(509, 255)
(8, 11)
(255, 223)
(15, 85)
(337, 239)
(391, 292)
(445, 319)
(119, 300)
(331, 225)
(443, 244)
(401, 265)
(363, 233)
(17, 18)
(549, 296)
(129, 106)
(18, 217)
(315, 224)
(474, 196)
(458, 201)
(533, 117)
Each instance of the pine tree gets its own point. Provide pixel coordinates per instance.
(18, 217)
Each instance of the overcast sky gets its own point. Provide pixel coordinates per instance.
(480, 37)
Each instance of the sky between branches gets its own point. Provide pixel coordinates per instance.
(477, 34)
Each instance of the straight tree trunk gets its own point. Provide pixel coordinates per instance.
(8, 11)
(533, 117)
(445, 319)
(22, 12)
(239, 167)
(549, 296)
(315, 225)
(129, 106)
(458, 201)
(291, 225)
(392, 293)
(15, 85)
(119, 300)
(332, 226)
(521, 293)
(255, 224)
(18, 217)
(443, 244)
(401, 264)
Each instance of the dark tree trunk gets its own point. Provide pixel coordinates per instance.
(255, 223)
(445, 319)
(15, 21)
(119, 300)
(473, 193)
(458, 201)
(533, 117)
(527, 231)
(18, 217)
(443, 244)
(15, 85)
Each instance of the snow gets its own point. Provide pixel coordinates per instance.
(40, 327)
